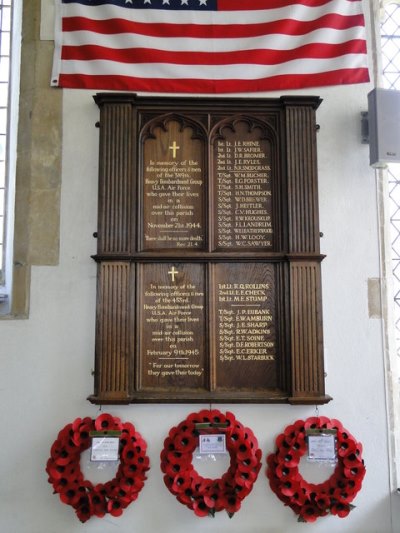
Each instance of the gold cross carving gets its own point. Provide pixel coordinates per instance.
(173, 272)
(174, 148)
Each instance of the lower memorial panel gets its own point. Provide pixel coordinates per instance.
(172, 326)
(245, 326)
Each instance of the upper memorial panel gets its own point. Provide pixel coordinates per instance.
(173, 185)
(243, 163)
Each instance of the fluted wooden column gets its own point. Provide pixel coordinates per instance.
(304, 254)
(116, 242)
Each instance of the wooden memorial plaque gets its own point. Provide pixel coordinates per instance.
(208, 256)
(172, 326)
(173, 188)
(241, 168)
(245, 324)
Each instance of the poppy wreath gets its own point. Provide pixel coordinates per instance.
(63, 468)
(309, 500)
(202, 495)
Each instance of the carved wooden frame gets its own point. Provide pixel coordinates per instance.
(290, 123)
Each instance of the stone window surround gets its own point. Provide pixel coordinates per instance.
(38, 171)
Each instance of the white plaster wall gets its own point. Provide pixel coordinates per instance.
(46, 361)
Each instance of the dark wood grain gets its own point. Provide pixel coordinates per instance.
(209, 266)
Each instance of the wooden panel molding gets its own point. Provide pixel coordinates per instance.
(209, 267)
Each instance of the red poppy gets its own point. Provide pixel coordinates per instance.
(257, 454)
(272, 460)
(129, 430)
(65, 432)
(171, 434)
(354, 471)
(132, 484)
(84, 512)
(173, 468)
(64, 457)
(340, 509)
(54, 470)
(353, 458)
(174, 456)
(353, 486)
(70, 445)
(214, 416)
(325, 423)
(299, 425)
(200, 485)
(345, 447)
(130, 469)
(242, 492)
(200, 508)
(181, 483)
(236, 436)
(245, 479)
(129, 454)
(232, 503)
(73, 473)
(309, 513)
(341, 495)
(251, 464)
(205, 415)
(185, 441)
(300, 444)
(192, 419)
(70, 493)
(344, 436)
(144, 462)
(114, 507)
(135, 439)
(123, 497)
(76, 423)
(298, 499)
(56, 448)
(336, 424)
(81, 436)
(290, 437)
(227, 482)
(61, 484)
(289, 487)
(290, 431)
(243, 450)
(283, 471)
(289, 458)
(183, 427)
(97, 503)
(185, 497)
(311, 423)
(214, 501)
(323, 502)
(105, 422)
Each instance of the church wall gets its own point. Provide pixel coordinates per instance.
(48, 358)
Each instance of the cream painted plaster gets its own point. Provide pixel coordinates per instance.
(38, 175)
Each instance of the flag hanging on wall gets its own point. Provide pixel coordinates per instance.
(208, 46)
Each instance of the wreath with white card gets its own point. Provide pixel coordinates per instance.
(63, 467)
(309, 500)
(202, 495)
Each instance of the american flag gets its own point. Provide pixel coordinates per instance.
(208, 46)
